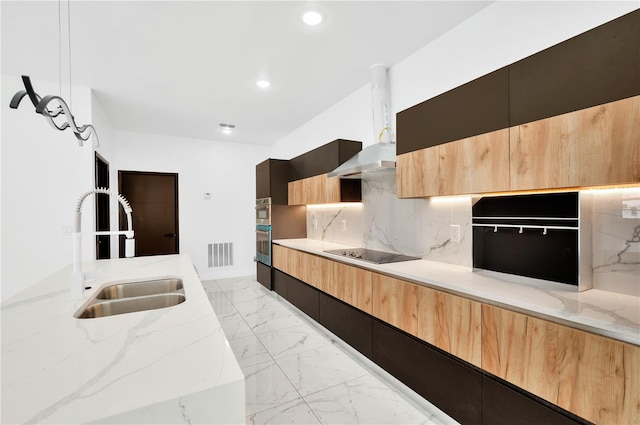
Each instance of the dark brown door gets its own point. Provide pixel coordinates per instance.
(154, 202)
(103, 243)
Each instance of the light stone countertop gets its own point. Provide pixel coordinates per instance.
(170, 365)
(601, 312)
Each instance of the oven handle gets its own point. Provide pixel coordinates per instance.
(266, 232)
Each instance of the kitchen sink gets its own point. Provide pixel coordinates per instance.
(102, 308)
(140, 289)
(129, 297)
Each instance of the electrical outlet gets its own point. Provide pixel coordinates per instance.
(315, 224)
(343, 225)
(455, 233)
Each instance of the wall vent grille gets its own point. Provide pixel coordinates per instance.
(220, 254)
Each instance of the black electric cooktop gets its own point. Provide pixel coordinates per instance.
(377, 257)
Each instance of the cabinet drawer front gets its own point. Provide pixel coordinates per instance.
(594, 377)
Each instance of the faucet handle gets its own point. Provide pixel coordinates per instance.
(129, 248)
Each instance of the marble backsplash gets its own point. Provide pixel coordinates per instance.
(422, 228)
(417, 227)
(616, 240)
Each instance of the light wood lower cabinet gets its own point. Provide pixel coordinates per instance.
(396, 302)
(594, 377)
(451, 323)
(446, 321)
(347, 283)
(590, 147)
(472, 165)
(314, 190)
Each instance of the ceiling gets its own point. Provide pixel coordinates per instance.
(180, 68)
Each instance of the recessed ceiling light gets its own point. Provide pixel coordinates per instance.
(226, 128)
(263, 84)
(312, 17)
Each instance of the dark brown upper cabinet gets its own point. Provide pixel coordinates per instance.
(324, 159)
(272, 176)
(599, 66)
(477, 107)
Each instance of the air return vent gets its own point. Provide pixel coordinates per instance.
(220, 254)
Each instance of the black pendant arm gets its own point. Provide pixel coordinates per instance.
(17, 98)
(32, 94)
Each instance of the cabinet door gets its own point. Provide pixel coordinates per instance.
(395, 302)
(476, 164)
(348, 323)
(594, 377)
(478, 107)
(450, 385)
(418, 173)
(450, 323)
(473, 165)
(593, 146)
(596, 67)
(502, 405)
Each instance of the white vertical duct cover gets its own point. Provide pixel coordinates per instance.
(382, 154)
(381, 104)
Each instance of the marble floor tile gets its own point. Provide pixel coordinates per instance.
(234, 326)
(249, 351)
(222, 306)
(364, 400)
(296, 373)
(318, 369)
(271, 319)
(267, 387)
(295, 412)
(293, 340)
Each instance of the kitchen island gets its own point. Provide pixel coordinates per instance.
(169, 365)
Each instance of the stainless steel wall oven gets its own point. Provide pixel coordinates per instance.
(263, 244)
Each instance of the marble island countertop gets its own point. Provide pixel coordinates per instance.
(601, 312)
(170, 365)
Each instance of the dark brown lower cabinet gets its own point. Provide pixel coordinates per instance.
(280, 283)
(351, 325)
(263, 273)
(502, 405)
(303, 296)
(452, 386)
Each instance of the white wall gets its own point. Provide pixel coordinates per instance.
(502, 33)
(44, 171)
(226, 170)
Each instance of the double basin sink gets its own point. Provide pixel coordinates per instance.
(129, 297)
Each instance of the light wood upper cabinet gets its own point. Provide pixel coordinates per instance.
(451, 323)
(594, 146)
(418, 173)
(594, 377)
(472, 165)
(323, 190)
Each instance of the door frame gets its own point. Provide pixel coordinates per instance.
(122, 218)
(100, 161)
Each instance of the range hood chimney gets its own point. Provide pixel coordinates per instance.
(381, 155)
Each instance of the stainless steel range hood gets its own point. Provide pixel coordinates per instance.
(380, 156)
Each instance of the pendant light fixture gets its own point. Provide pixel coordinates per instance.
(52, 106)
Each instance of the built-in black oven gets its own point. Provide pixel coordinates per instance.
(263, 244)
(263, 211)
